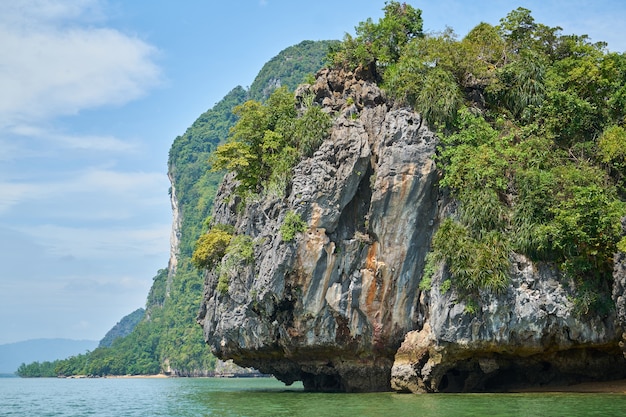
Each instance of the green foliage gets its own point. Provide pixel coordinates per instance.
(521, 84)
(311, 129)
(612, 145)
(210, 248)
(123, 328)
(475, 261)
(291, 226)
(268, 140)
(378, 45)
(259, 139)
(612, 149)
(525, 194)
(44, 369)
(425, 77)
(430, 267)
(289, 68)
(158, 290)
(239, 252)
(241, 249)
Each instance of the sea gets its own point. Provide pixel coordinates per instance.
(178, 397)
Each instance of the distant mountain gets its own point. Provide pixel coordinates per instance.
(289, 68)
(123, 327)
(12, 355)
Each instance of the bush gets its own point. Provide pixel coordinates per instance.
(268, 140)
(211, 248)
(292, 225)
(239, 251)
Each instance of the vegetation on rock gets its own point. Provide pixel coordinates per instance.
(211, 247)
(268, 140)
(292, 225)
(532, 128)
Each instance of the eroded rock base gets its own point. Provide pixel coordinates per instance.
(501, 372)
(330, 375)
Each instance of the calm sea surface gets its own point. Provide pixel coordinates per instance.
(268, 397)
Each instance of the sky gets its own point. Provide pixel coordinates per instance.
(92, 95)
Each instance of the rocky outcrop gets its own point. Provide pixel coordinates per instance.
(528, 336)
(174, 235)
(619, 291)
(340, 308)
(332, 308)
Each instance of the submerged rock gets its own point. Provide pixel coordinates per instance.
(340, 308)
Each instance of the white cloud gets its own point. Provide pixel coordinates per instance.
(14, 192)
(75, 142)
(101, 243)
(52, 66)
(102, 193)
(25, 13)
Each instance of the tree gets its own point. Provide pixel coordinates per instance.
(210, 248)
(268, 140)
(378, 45)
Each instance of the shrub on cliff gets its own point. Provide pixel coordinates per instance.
(211, 247)
(291, 226)
(269, 139)
(378, 45)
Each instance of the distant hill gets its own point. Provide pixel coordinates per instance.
(289, 68)
(12, 355)
(123, 327)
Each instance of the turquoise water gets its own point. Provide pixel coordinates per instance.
(268, 397)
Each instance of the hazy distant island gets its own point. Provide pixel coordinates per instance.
(12, 355)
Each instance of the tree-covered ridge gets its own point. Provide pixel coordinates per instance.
(188, 166)
(168, 339)
(288, 67)
(532, 125)
(122, 328)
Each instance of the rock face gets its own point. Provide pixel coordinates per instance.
(174, 235)
(340, 307)
(619, 292)
(529, 336)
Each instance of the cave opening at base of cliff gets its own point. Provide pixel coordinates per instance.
(468, 377)
(322, 383)
(511, 373)
(453, 381)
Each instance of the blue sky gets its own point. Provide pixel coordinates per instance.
(93, 92)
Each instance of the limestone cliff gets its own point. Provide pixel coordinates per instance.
(172, 264)
(340, 308)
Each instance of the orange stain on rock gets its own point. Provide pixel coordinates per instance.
(372, 266)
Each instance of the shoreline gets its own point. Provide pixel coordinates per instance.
(155, 376)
